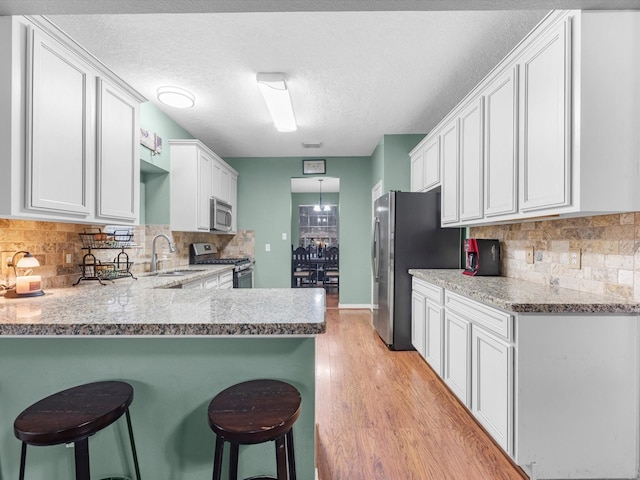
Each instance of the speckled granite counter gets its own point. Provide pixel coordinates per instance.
(149, 306)
(520, 296)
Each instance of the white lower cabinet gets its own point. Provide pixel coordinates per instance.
(418, 319)
(434, 335)
(193, 285)
(558, 392)
(457, 369)
(492, 385)
(479, 363)
(225, 280)
(218, 281)
(427, 333)
(212, 283)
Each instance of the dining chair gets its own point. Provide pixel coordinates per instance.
(331, 269)
(302, 273)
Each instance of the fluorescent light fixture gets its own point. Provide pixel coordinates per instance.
(275, 93)
(176, 97)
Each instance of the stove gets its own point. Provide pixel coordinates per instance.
(207, 254)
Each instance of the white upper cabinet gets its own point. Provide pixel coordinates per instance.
(70, 146)
(204, 174)
(501, 145)
(58, 128)
(118, 162)
(425, 166)
(471, 161)
(450, 172)
(191, 185)
(197, 174)
(546, 121)
(560, 126)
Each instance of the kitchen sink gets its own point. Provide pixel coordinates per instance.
(177, 273)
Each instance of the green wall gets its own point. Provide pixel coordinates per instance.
(155, 189)
(298, 199)
(264, 206)
(390, 161)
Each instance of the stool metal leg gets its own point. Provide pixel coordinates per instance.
(81, 448)
(291, 455)
(23, 459)
(217, 459)
(281, 458)
(233, 462)
(133, 446)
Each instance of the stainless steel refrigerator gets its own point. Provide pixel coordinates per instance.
(406, 234)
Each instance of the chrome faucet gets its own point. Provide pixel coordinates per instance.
(154, 256)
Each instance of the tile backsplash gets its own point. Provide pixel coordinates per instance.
(49, 242)
(609, 245)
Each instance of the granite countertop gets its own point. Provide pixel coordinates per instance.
(150, 306)
(520, 296)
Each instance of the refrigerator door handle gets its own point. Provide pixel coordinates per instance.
(375, 249)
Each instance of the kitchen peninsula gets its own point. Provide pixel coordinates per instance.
(177, 347)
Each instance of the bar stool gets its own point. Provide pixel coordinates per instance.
(72, 416)
(254, 412)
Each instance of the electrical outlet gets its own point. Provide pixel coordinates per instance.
(529, 255)
(4, 265)
(575, 260)
(284, 236)
(267, 247)
(67, 258)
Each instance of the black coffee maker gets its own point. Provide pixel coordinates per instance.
(482, 257)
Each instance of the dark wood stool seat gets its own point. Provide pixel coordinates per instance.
(72, 416)
(254, 412)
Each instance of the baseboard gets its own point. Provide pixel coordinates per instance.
(357, 306)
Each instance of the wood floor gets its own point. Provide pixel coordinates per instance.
(384, 415)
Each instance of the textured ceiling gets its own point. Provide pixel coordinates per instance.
(353, 75)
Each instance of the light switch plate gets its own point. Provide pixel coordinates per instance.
(529, 255)
(575, 260)
(267, 247)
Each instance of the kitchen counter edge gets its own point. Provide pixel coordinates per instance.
(520, 296)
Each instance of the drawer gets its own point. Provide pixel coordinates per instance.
(226, 279)
(480, 314)
(211, 283)
(430, 292)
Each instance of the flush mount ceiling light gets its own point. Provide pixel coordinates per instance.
(176, 97)
(275, 93)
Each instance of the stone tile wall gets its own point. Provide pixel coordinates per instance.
(609, 246)
(49, 241)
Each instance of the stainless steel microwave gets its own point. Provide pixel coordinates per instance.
(220, 216)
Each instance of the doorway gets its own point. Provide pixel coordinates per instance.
(315, 203)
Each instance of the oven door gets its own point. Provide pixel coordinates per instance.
(243, 279)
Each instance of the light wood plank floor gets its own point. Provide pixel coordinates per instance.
(384, 415)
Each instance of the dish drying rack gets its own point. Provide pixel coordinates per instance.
(94, 269)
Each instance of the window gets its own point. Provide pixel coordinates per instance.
(318, 229)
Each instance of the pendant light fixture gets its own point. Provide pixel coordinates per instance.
(319, 207)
